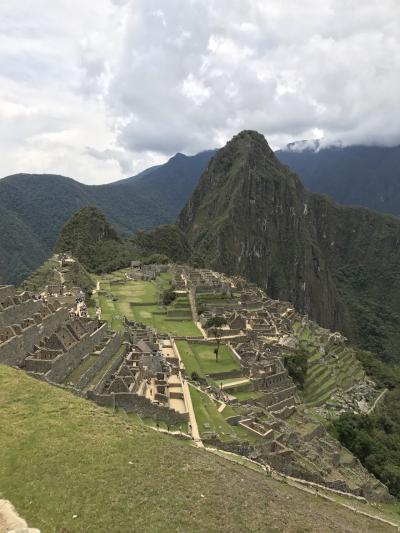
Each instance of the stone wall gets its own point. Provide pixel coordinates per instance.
(240, 448)
(226, 375)
(276, 396)
(17, 313)
(40, 366)
(317, 432)
(113, 368)
(65, 363)
(105, 355)
(133, 403)
(6, 291)
(13, 351)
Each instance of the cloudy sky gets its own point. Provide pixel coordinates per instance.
(100, 89)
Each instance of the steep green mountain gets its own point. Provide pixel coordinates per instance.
(250, 215)
(167, 240)
(352, 175)
(20, 249)
(94, 242)
(33, 208)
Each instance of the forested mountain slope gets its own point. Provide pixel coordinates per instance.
(352, 175)
(33, 208)
(251, 215)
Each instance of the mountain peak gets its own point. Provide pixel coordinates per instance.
(250, 139)
(178, 156)
(85, 228)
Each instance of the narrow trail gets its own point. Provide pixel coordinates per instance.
(192, 417)
(379, 398)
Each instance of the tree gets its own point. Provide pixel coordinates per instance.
(169, 296)
(215, 321)
(297, 366)
(217, 336)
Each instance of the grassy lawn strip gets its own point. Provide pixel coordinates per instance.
(206, 357)
(95, 380)
(210, 421)
(141, 301)
(248, 395)
(200, 358)
(78, 372)
(189, 359)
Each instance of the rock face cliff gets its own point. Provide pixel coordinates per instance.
(250, 215)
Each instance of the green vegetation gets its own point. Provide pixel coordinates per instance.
(375, 438)
(43, 276)
(297, 367)
(356, 291)
(68, 465)
(33, 208)
(168, 296)
(200, 358)
(90, 239)
(167, 240)
(97, 377)
(370, 292)
(248, 395)
(75, 275)
(78, 372)
(216, 322)
(212, 423)
(320, 374)
(141, 301)
(342, 174)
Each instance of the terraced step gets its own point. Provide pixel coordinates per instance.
(78, 372)
(315, 373)
(322, 394)
(100, 373)
(324, 376)
(321, 399)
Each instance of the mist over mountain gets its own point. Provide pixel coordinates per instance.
(353, 175)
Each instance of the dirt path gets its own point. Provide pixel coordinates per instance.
(379, 398)
(193, 306)
(192, 416)
(235, 383)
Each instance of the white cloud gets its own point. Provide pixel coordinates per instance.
(100, 89)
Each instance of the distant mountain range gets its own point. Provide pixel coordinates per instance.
(354, 175)
(33, 208)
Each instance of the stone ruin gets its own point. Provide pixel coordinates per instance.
(260, 332)
(141, 272)
(140, 372)
(145, 379)
(85, 356)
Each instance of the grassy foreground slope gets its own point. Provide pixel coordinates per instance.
(61, 456)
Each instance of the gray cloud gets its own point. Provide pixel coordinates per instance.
(138, 80)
